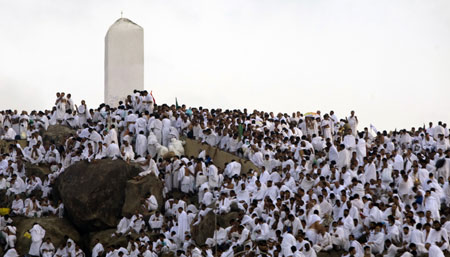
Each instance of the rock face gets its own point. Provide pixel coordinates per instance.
(136, 190)
(40, 171)
(220, 158)
(94, 193)
(205, 229)
(105, 238)
(5, 201)
(55, 228)
(57, 134)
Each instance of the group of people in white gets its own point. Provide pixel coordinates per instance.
(320, 184)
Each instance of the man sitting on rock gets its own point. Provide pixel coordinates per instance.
(47, 248)
(123, 227)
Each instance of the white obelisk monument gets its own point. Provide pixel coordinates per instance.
(124, 60)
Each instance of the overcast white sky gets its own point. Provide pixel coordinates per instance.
(389, 60)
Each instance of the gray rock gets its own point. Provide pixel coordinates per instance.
(40, 171)
(205, 229)
(136, 190)
(55, 228)
(57, 134)
(94, 193)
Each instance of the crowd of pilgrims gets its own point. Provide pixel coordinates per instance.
(320, 185)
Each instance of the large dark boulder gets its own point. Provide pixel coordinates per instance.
(57, 134)
(55, 228)
(94, 193)
(136, 190)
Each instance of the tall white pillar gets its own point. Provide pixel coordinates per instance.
(124, 60)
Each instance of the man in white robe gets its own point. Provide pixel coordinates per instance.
(47, 248)
(98, 249)
(209, 137)
(232, 168)
(83, 114)
(257, 157)
(207, 198)
(338, 235)
(147, 102)
(123, 226)
(234, 144)
(9, 233)
(308, 251)
(61, 251)
(348, 223)
(386, 174)
(11, 253)
(113, 151)
(432, 205)
(376, 241)
(166, 124)
(152, 143)
(17, 206)
(398, 161)
(18, 186)
(442, 143)
(286, 244)
(446, 192)
(224, 203)
(438, 236)
(10, 134)
(434, 250)
(156, 221)
(42, 120)
(152, 168)
(370, 171)
(112, 135)
(127, 152)
(186, 179)
(213, 175)
(393, 231)
(324, 242)
(60, 108)
(343, 157)
(294, 223)
(327, 127)
(361, 150)
(37, 236)
(176, 146)
(141, 124)
(391, 249)
(152, 203)
(141, 144)
(157, 126)
(350, 141)
(353, 122)
(183, 224)
(137, 223)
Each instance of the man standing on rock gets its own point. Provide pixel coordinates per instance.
(37, 235)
